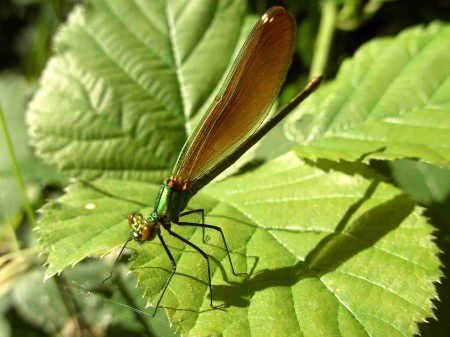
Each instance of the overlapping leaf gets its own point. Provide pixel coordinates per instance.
(389, 101)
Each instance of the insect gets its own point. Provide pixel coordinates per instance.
(233, 123)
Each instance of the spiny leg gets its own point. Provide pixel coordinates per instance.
(203, 226)
(174, 269)
(207, 263)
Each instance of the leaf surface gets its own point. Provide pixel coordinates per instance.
(120, 96)
(326, 252)
(389, 101)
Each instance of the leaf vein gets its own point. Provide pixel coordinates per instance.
(125, 27)
(178, 65)
(148, 91)
(378, 285)
(344, 305)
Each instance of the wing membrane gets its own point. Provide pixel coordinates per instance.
(245, 98)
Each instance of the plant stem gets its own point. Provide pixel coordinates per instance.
(72, 306)
(328, 10)
(132, 303)
(12, 155)
(13, 237)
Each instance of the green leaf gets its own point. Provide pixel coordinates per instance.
(354, 247)
(89, 219)
(120, 96)
(425, 183)
(390, 101)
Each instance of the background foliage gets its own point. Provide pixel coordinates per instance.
(111, 95)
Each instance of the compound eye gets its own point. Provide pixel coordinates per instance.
(135, 219)
(131, 219)
(148, 232)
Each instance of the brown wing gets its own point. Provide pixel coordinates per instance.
(245, 98)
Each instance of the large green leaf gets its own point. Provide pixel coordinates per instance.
(327, 253)
(119, 97)
(391, 100)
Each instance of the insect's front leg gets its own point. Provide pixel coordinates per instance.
(174, 269)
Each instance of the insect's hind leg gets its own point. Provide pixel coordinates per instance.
(203, 226)
(201, 213)
(207, 263)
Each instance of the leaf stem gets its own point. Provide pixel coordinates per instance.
(12, 155)
(328, 10)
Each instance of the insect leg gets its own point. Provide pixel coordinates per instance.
(207, 263)
(174, 269)
(202, 214)
(203, 226)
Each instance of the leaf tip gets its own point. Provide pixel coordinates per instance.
(47, 276)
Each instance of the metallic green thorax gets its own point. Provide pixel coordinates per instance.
(172, 199)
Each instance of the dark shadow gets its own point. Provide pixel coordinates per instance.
(224, 272)
(367, 154)
(439, 216)
(205, 283)
(350, 168)
(249, 166)
(361, 234)
(212, 258)
(346, 241)
(346, 167)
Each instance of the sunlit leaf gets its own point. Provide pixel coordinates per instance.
(355, 247)
(390, 101)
